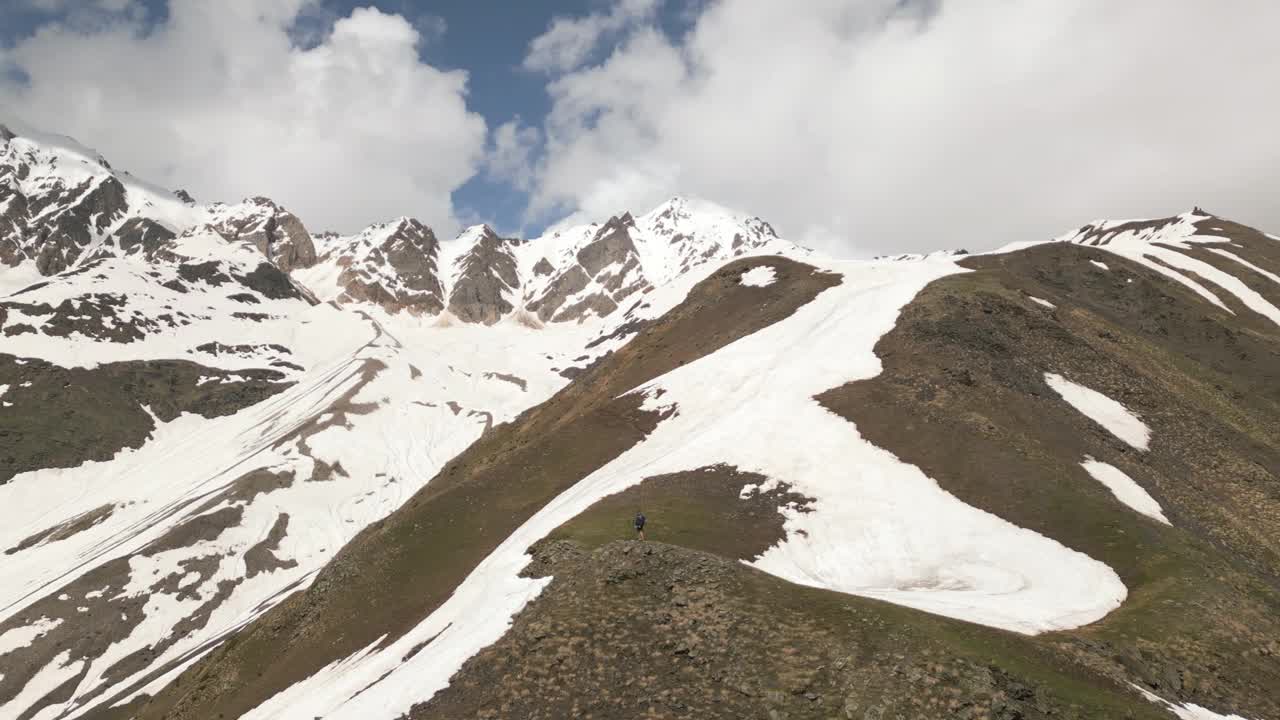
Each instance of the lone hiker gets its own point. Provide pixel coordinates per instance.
(640, 525)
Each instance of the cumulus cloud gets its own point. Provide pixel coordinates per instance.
(224, 100)
(511, 153)
(569, 41)
(888, 125)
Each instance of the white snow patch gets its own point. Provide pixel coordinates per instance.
(1102, 265)
(48, 679)
(1108, 413)
(1232, 256)
(1124, 488)
(758, 276)
(23, 636)
(1190, 711)
(1041, 301)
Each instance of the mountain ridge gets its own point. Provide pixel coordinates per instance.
(390, 475)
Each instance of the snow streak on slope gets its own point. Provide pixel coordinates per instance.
(1125, 489)
(1108, 413)
(1190, 711)
(1156, 244)
(878, 528)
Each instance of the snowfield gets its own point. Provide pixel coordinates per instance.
(384, 411)
(879, 528)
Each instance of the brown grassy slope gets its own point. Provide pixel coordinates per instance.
(650, 630)
(61, 417)
(669, 633)
(962, 396)
(654, 630)
(397, 571)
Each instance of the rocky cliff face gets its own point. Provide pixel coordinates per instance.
(394, 266)
(487, 277)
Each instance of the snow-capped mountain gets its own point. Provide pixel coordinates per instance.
(567, 275)
(62, 204)
(246, 471)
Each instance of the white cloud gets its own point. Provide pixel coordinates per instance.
(56, 6)
(511, 152)
(879, 125)
(218, 99)
(569, 42)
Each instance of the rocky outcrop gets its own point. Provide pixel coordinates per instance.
(277, 233)
(13, 214)
(606, 271)
(570, 282)
(80, 214)
(142, 235)
(487, 281)
(394, 265)
(612, 244)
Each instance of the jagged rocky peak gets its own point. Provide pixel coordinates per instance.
(611, 245)
(486, 277)
(393, 265)
(277, 233)
(603, 268)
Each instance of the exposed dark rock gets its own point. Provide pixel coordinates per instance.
(400, 274)
(61, 417)
(568, 283)
(89, 208)
(143, 235)
(270, 282)
(611, 244)
(488, 274)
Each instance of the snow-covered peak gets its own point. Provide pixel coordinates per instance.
(1175, 228)
(912, 257)
(474, 234)
(63, 204)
